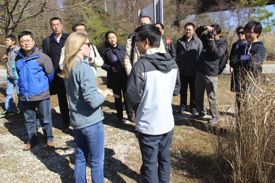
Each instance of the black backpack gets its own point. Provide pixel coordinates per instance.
(223, 61)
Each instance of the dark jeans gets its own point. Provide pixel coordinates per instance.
(89, 142)
(118, 102)
(62, 101)
(187, 81)
(156, 162)
(43, 114)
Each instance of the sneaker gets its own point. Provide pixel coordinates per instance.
(50, 145)
(29, 146)
(194, 112)
(199, 116)
(213, 121)
(182, 109)
(131, 119)
(6, 114)
(19, 112)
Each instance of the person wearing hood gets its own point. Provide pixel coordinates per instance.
(152, 83)
(239, 43)
(249, 58)
(214, 48)
(35, 71)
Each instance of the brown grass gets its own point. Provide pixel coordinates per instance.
(249, 150)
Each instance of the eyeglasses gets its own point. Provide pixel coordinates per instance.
(241, 33)
(88, 44)
(25, 41)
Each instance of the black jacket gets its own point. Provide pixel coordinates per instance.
(247, 59)
(235, 47)
(53, 49)
(118, 79)
(188, 55)
(211, 54)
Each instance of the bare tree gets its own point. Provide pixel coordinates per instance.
(15, 11)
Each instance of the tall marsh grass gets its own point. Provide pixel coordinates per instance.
(249, 150)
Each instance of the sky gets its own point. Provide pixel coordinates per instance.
(231, 22)
(60, 3)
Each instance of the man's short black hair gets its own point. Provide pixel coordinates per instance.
(144, 16)
(189, 24)
(55, 18)
(11, 37)
(77, 24)
(162, 26)
(255, 26)
(25, 33)
(217, 28)
(239, 28)
(149, 32)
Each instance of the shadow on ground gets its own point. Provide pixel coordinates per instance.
(200, 167)
(110, 120)
(201, 124)
(49, 157)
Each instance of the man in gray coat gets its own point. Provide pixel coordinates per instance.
(189, 48)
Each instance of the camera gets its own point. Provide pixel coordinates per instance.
(211, 34)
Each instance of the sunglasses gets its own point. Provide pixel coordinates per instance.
(242, 32)
(88, 44)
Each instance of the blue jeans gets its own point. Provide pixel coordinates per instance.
(9, 106)
(89, 142)
(44, 116)
(156, 161)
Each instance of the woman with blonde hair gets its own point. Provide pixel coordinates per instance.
(85, 102)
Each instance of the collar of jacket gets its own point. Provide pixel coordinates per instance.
(185, 39)
(63, 36)
(119, 47)
(84, 60)
(13, 48)
(22, 54)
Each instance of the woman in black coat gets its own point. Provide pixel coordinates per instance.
(113, 56)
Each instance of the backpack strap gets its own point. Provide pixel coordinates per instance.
(94, 50)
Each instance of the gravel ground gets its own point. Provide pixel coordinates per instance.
(122, 156)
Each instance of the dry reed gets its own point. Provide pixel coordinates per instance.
(249, 150)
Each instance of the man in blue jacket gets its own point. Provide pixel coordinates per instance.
(35, 71)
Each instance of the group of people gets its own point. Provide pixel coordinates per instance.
(147, 73)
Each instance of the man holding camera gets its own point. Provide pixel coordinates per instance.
(214, 47)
